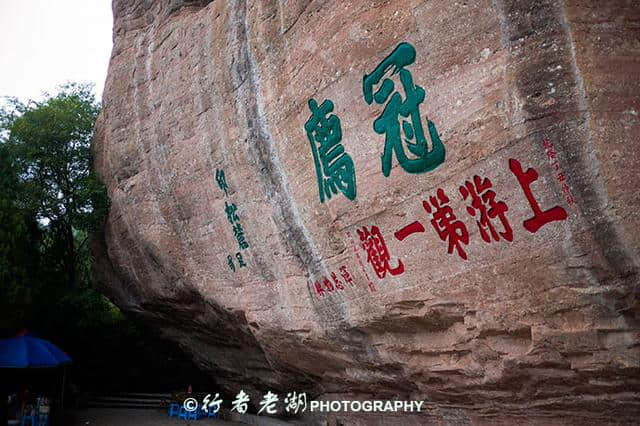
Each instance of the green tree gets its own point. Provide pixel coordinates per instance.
(50, 202)
(51, 146)
(20, 239)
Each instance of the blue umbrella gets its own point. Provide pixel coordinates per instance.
(28, 352)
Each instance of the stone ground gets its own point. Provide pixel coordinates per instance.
(120, 417)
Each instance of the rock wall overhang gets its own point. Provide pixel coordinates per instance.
(466, 234)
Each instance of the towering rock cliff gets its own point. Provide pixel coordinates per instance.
(433, 200)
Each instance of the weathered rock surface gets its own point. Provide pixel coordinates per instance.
(541, 329)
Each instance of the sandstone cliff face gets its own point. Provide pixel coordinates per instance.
(539, 325)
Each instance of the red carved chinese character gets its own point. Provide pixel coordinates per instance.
(346, 275)
(319, 289)
(551, 154)
(445, 223)
(479, 204)
(411, 228)
(540, 218)
(328, 285)
(377, 252)
(336, 281)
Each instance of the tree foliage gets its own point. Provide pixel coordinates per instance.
(50, 200)
(50, 143)
(20, 239)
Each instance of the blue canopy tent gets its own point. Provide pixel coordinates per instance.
(28, 351)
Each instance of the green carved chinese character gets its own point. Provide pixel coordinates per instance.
(240, 260)
(239, 234)
(230, 263)
(400, 118)
(230, 210)
(222, 181)
(334, 167)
